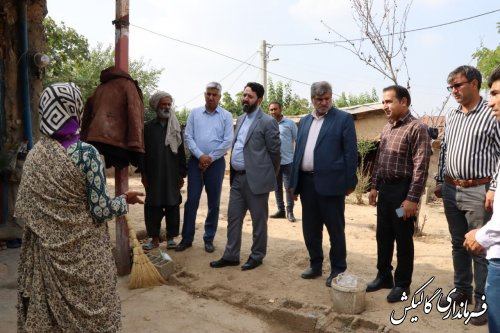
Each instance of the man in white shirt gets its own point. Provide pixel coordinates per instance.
(488, 237)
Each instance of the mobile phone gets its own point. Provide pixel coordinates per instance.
(400, 212)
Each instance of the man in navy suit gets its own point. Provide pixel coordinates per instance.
(323, 173)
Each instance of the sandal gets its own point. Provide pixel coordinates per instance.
(149, 246)
(171, 244)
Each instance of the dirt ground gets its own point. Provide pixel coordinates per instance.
(273, 298)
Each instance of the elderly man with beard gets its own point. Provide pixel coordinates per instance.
(255, 161)
(163, 170)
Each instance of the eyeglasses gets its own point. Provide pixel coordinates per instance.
(456, 85)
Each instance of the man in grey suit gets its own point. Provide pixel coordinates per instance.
(255, 161)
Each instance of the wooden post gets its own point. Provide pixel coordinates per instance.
(121, 175)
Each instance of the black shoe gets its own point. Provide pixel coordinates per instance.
(280, 214)
(290, 217)
(330, 278)
(482, 319)
(311, 273)
(251, 264)
(457, 297)
(182, 246)
(379, 283)
(397, 293)
(209, 247)
(223, 263)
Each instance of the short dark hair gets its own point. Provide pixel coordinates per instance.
(400, 92)
(256, 88)
(471, 73)
(276, 102)
(495, 76)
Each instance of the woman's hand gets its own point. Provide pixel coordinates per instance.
(132, 197)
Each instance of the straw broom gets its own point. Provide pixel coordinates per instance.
(144, 274)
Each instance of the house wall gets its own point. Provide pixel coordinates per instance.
(369, 125)
(12, 131)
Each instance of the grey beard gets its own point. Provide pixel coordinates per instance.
(163, 114)
(249, 108)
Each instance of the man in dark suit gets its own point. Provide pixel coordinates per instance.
(255, 161)
(323, 173)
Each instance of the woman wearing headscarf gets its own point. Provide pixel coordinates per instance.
(67, 275)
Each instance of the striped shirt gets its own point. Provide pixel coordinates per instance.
(404, 152)
(471, 145)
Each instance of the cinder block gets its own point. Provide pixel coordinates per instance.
(165, 268)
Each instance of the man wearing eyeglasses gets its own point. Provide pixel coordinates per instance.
(465, 180)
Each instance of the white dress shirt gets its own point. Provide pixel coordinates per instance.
(489, 235)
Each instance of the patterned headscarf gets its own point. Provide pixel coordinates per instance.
(60, 102)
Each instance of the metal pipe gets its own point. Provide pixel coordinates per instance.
(24, 74)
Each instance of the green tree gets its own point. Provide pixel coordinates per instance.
(232, 105)
(351, 99)
(66, 48)
(292, 103)
(78, 64)
(487, 60)
(365, 146)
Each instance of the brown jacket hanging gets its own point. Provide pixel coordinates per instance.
(114, 114)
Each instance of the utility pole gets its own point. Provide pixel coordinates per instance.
(264, 68)
(121, 23)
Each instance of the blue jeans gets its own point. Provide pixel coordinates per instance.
(493, 295)
(284, 178)
(464, 210)
(211, 179)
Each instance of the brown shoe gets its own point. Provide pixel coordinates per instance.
(482, 319)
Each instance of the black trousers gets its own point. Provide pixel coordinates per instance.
(319, 210)
(391, 228)
(153, 216)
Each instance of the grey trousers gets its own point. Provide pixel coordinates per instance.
(242, 199)
(464, 210)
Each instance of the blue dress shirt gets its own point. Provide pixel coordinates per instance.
(288, 136)
(237, 158)
(209, 133)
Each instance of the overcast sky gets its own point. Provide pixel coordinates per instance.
(237, 28)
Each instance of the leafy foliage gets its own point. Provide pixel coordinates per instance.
(232, 105)
(487, 60)
(67, 50)
(72, 61)
(351, 100)
(292, 103)
(364, 147)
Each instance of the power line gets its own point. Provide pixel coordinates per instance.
(241, 74)
(318, 42)
(227, 75)
(218, 53)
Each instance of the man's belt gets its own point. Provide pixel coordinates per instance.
(240, 172)
(467, 182)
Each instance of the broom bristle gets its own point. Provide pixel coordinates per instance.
(143, 274)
